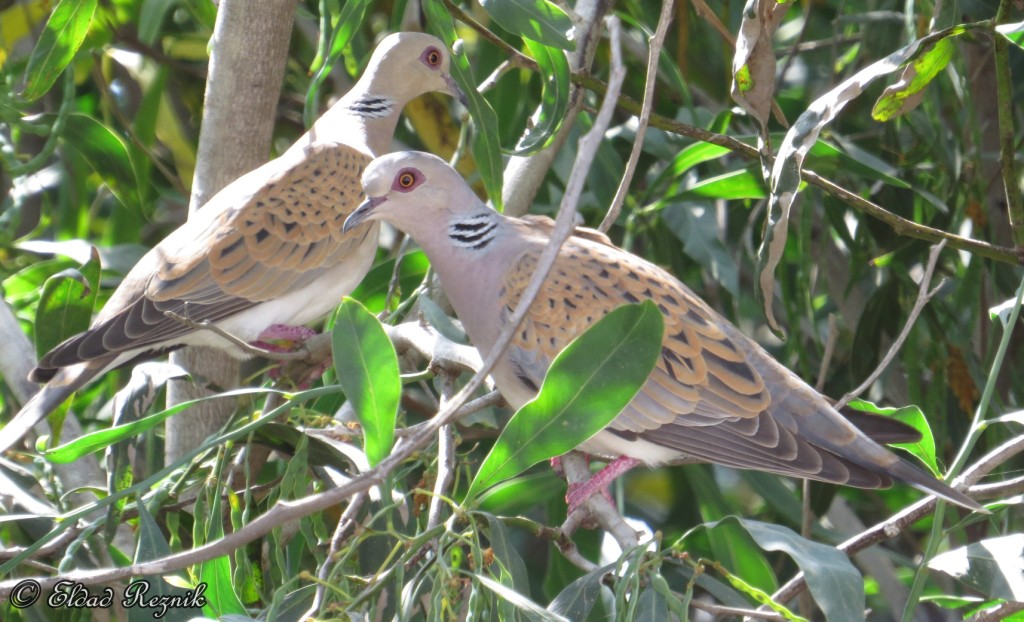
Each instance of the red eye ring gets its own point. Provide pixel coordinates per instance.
(431, 57)
(406, 180)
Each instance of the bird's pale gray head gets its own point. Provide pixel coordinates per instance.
(410, 188)
(412, 63)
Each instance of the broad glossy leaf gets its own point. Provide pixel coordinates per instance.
(554, 71)
(486, 146)
(367, 369)
(578, 598)
(539, 20)
(66, 304)
(588, 384)
(835, 583)
(62, 36)
(923, 449)
(741, 184)
(695, 225)
(730, 544)
(994, 567)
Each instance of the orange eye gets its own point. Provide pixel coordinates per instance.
(406, 180)
(432, 57)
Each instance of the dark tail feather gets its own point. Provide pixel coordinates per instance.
(880, 428)
(917, 478)
(63, 383)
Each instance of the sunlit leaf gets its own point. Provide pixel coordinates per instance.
(1014, 33)
(923, 449)
(906, 94)
(66, 304)
(554, 70)
(835, 583)
(994, 567)
(486, 146)
(59, 42)
(539, 20)
(588, 384)
(368, 372)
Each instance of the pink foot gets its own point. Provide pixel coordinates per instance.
(579, 493)
(285, 338)
(282, 337)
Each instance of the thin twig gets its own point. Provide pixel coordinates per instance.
(655, 44)
(896, 524)
(445, 459)
(248, 348)
(924, 294)
(1007, 153)
(901, 226)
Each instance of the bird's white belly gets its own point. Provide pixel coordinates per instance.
(298, 307)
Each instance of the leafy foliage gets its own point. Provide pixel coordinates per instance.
(863, 135)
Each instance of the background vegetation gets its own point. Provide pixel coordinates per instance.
(101, 104)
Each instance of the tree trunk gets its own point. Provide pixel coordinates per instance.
(247, 61)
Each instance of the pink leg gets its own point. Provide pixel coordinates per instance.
(282, 337)
(285, 338)
(579, 493)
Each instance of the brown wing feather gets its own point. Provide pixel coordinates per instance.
(249, 247)
(701, 370)
(277, 238)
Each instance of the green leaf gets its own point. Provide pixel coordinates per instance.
(1014, 33)
(697, 153)
(554, 69)
(341, 31)
(695, 226)
(588, 384)
(923, 449)
(367, 369)
(62, 36)
(740, 184)
(538, 20)
(730, 545)
(835, 583)
(522, 604)
(66, 304)
(106, 154)
(151, 18)
(101, 439)
(486, 146)
(905, 94)
(994, 567)
(578, 598)
(220, 595)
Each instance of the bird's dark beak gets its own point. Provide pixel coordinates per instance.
(362, 213)
(455, 91)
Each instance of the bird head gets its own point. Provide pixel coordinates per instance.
(422, 61)
(411, 187)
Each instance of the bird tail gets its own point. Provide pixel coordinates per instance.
(917, 478)
(50, 396)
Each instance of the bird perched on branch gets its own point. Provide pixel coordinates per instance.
(266, 251)
(714, 395)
